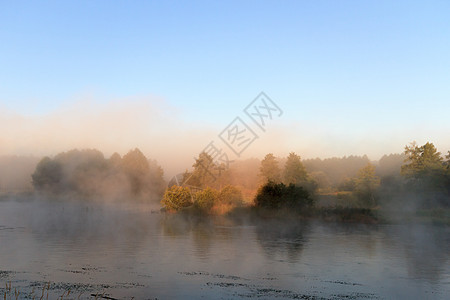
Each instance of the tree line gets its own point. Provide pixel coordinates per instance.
(420, 174)
(87, 173)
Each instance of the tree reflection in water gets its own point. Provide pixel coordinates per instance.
(281, 239)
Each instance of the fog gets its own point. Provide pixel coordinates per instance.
(124, 251)
(168, 134)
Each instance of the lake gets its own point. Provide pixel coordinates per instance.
(126, 251)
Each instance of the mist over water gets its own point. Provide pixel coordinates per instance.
(224, 150)
(129, 251)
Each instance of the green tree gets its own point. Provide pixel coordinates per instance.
(294, 171)
(447, 162)
(277, 195)
(421, 161)
(176, 198)
(366, 185)
(269, 170)
(427, 175)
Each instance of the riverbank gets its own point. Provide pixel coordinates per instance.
(437, 216)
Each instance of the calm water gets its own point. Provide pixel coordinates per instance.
(131, 252)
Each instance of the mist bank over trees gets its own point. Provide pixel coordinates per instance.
(340, 189)
(88, 174)
(417, 178)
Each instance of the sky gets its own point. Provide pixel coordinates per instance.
(352, 77)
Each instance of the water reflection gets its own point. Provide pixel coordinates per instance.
(282, 239)
(203, 231)
(426, 249)
(138, 252)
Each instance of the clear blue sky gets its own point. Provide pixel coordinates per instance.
(374, 63)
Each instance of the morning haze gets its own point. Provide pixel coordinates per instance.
(235, 150)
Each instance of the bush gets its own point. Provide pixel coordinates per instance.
(278, 195)
(177, 197)
(206, 199)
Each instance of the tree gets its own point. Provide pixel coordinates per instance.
(115, 160)
(88, 174)
(366, 184)
(48, 175)
(294, 171)
(77, 171)
(447, 162)
(135, 165)
(427, 174)
(269, 169)
(157, 184)
(203, 174)
(205, 199)
(322, 180)
(337, 169)
(231, 195)
(277, 195)
(421, 161)
(176, 198)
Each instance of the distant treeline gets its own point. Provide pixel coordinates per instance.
(88, 173)
(332, 172)
(418, 177)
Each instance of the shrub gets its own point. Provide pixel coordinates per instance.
(177, 197)
(206, 199)
(278, 195)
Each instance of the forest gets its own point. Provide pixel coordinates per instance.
(348, 188)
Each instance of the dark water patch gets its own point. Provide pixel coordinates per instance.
(256, 291)
(226, 284)
(10, 228)
(356, 296)
(221, 276)
(342, 282)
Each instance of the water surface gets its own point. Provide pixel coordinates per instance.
(130, 251)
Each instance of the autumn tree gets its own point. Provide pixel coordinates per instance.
(231, 195)
(206, 198)
(269, 170)
(204, 173)
(176, 198)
